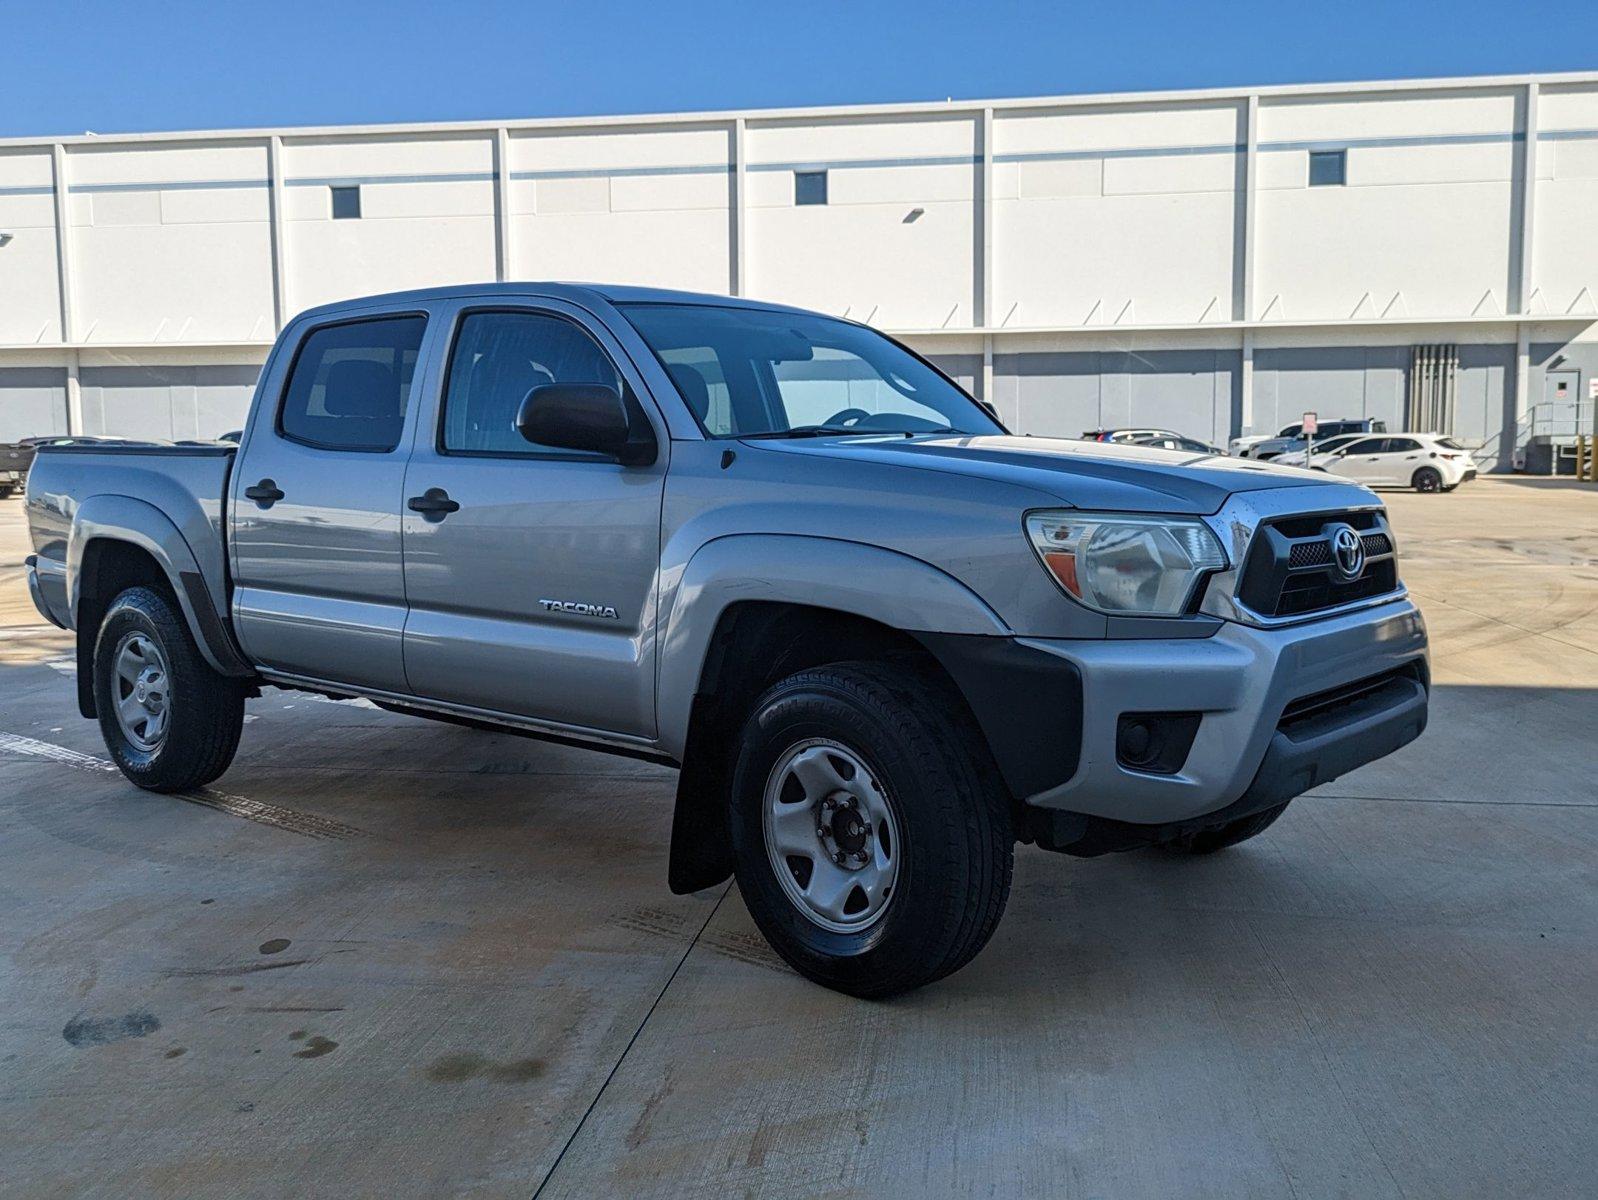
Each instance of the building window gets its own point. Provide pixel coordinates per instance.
(1328, 168)
(346, 203)
(809, 187)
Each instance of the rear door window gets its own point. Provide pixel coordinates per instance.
(350, 384)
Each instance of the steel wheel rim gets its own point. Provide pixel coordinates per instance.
(141, 691)
(821, 802)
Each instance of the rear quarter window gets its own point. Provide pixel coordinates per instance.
(350, 382)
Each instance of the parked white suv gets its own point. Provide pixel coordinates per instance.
(1423, 461)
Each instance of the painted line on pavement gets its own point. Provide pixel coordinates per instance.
(287, 819)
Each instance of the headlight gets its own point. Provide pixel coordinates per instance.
(1147, 566)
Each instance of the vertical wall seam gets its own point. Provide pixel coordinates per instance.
(740, 210)
(1528, 199)
(502, 257)
(63, 241)
(1243, 303)
(984, 273)
(274, 170)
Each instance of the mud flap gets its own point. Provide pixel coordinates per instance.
(701, 843)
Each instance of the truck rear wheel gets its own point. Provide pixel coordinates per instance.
(1208, 841)
(873, 844)
(170, 721)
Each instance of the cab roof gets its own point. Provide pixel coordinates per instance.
(577, 293)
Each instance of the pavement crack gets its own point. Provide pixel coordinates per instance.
(631, 1042)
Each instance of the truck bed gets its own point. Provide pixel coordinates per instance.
(119, 483)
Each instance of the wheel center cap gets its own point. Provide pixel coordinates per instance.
(849, 829)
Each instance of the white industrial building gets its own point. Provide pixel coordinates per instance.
(1211, 261)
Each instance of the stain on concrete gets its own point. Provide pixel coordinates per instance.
(458, 1068)
(176, 1052)
(237, 969)
(742, 947)
(293, 1008)
(275, 945)
(316, 1047)
(99, 1031)
(639, 1133)
(675, 924)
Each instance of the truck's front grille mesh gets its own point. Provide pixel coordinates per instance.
(1377, 543)
(1309, 554)
(1292, 568)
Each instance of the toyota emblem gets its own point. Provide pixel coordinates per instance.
(1348, 551)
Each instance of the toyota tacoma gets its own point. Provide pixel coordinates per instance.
(882, 638)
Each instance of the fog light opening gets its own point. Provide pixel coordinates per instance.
(1157, 743)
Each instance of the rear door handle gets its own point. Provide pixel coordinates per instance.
(434, 504)
(266, 493)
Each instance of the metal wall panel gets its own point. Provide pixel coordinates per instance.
(1337, 382)
(166, 402)
(33, 402)
(1062, 394)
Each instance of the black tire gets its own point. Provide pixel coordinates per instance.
(1427, 479)
(205, 710)
(956, 846)
(1208, 841)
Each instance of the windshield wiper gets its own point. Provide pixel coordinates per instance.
(809, 431)
(804, 431)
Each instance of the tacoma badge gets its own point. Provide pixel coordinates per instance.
(581, 609)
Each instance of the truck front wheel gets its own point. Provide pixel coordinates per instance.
(873, 844)
(170, 721)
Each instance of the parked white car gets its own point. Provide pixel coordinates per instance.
(1296, 458)
(1423, 461)
(1291, 437)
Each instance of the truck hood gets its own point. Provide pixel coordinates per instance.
(1105, 475)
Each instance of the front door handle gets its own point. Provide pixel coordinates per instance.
(266, 493)
(434, 504)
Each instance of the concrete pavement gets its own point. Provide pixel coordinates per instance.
(386, 957)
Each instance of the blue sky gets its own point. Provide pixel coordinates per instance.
(68, 67)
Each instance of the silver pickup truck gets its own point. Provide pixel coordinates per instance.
(882, 638)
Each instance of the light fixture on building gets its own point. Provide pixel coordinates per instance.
(914, 215)
(5, 237)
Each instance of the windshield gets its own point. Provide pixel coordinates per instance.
(752, 373)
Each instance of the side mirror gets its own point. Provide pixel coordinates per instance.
(581, 416)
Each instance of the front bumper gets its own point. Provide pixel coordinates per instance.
(1242, 680)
